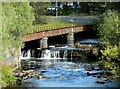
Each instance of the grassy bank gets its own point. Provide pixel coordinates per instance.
(54, 25)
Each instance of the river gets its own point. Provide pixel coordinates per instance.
(72, 73)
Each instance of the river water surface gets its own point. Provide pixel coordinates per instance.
(70, 74)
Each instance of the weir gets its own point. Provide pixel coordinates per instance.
(52, 53)
(34, 56)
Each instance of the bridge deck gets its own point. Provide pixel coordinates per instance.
(41, 34)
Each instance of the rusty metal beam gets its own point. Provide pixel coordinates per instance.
(41, 34)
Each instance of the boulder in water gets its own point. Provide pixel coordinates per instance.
(95, 73)
(46, 77)
(106, 78)
(40, 77)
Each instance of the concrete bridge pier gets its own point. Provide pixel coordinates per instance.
(70, 38)
(44, 42)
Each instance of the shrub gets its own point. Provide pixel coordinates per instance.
(7, 75)
(111, 60)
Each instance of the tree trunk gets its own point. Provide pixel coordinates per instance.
(18, 57)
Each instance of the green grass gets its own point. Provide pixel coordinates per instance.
(54, 25)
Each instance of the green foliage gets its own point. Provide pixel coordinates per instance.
(111, 60)
(111, 52)
(40, 9)
(96, 7)
(109, 29)
(7, 75)
(41, 20)
(17, 19)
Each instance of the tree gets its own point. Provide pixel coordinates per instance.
(109, 31)
(98, 7)
(109, 27)
(40, 9)
(17, 20)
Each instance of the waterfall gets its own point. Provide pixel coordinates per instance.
(46, 54)
(23, 54)
(26, 54)
(49, 57)
(65, 54)
(52, 53)
(29, 53)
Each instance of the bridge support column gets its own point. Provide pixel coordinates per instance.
(44, 42)
(70, 38)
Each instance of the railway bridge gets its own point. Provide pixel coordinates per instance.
(44, 36)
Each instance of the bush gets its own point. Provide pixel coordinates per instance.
(7, 75)
(111, 60)
(109, 31)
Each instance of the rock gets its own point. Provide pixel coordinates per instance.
(17, 70)
(106, 74)
(25, 77)
(97, 76)
(19, 81)
(31, 71)
(28, 71)
(94, 73)
(97, 68)
(87, 73)
(30, 76)
(46, 77)
(37, 74)
(43, 71)
(20, 74)
(106, 78)
(100, 82)
(40, 77)
(89, 68)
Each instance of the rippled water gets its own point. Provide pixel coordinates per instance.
(68, 74)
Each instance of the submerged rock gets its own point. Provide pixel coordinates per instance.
(40, 77)
(46, 77)
(95, 73)
(97, 76)
(100, 82)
